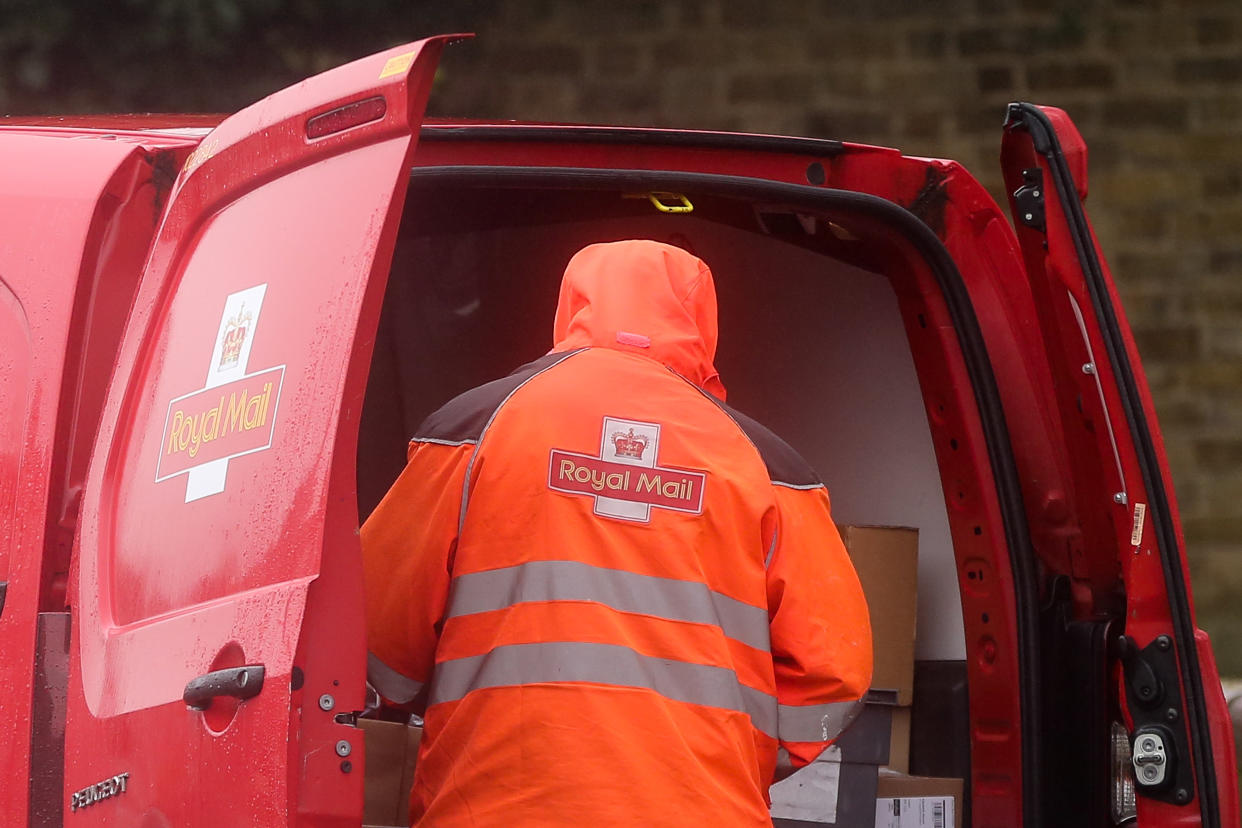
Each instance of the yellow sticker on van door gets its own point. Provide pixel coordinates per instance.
(397, 65)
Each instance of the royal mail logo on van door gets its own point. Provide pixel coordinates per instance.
(233, 414)
(235, 329)
(625, 479)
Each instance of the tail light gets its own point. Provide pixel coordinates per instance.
(346, 117)
(1124, 807)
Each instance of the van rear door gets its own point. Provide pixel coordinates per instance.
(1169, 691)
(217, 633)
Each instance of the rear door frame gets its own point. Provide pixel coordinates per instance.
(1147, 508)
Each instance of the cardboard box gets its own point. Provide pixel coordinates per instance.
(917, 802)
(899, 742)
(391, 754)
(887, 562)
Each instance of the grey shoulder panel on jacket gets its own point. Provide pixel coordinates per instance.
(464, 418)
(786, 467)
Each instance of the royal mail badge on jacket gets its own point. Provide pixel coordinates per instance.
(625, 478)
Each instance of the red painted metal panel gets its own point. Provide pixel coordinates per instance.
(271, 257)
(60, 207)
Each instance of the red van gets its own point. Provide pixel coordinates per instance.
(216, 337)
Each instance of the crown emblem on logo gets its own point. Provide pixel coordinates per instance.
(234, 337)
(629, 444)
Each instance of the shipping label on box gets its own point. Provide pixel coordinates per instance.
(918, 802)
(914, 812)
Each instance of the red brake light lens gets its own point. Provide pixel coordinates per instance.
(346, 117)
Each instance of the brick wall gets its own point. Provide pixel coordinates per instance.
(1155, 86)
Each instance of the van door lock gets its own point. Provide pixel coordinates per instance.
(1158, 719)
(1151, 760)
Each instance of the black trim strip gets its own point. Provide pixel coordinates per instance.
(824, 147)
(1049, 146)
(970, 339)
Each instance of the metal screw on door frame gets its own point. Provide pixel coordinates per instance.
(326, 702)
(343, 748)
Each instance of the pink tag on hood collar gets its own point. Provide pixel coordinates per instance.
(633, 339)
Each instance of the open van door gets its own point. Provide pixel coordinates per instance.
(217, 650)
(1165, 680)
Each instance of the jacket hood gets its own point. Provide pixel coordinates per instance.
(644, 297)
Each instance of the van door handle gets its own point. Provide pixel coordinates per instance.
(237, 682)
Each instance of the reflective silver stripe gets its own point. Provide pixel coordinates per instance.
(439, 442)
(575, 661)
(623, 591)
(816, 722)
(391, 684)
(767, 562)
(800, 486)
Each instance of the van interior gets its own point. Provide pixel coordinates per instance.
(813, 343)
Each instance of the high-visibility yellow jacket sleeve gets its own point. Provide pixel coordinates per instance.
(407, 549)
(820, 629)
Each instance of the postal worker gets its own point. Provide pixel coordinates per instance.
(612, 596)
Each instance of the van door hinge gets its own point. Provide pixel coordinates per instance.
(1029, 199)
(1159, 739)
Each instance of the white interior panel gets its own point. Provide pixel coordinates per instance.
(825, 363)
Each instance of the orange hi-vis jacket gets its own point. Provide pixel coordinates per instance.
(614, 595)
